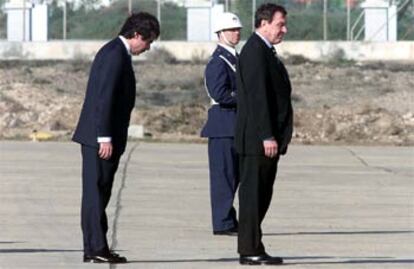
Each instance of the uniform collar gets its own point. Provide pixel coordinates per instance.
(264, 40)
(125, 42)
(229, 49)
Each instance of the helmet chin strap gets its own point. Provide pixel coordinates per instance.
(226, 41)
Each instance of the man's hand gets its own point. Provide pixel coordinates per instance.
(105, 150)
(270, 148)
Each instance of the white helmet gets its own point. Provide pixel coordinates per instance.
(225, 21)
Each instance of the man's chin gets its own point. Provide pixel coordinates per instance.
(278, 41)
(138, 52)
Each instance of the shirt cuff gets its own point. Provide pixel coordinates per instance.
(269, 139)
(104, 139)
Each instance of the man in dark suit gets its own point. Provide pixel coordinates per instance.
(263, 127)
(220, 81)
(102, 129)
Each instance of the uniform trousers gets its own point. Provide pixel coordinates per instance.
(97, 180)
(224, 180)
(257, 176)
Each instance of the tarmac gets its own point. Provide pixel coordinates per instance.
(333, 207)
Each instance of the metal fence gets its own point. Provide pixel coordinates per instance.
(307, 19)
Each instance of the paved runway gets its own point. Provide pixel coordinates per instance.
(333, 207)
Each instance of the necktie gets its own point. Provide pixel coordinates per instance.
(274, 51)
(282, 66)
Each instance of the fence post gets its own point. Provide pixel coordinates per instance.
(325, 26)
(348, 20)
(24, 20)
(253, 12)
(159, 14)
(64, 20)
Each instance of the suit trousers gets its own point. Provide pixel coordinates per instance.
(224, 180)
(257, 176)
(97, 180)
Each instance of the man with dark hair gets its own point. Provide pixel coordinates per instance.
(263, 128)
(103, 128)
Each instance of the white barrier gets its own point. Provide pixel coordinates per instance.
(66, 50)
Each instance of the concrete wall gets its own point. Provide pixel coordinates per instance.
(361, 51)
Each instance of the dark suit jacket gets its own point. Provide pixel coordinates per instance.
(109, 99)
(220, 80)
(264, 107)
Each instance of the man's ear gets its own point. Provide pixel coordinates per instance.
(139, 37)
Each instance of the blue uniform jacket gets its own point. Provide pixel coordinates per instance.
(220, 80)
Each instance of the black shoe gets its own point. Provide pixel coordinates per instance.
(110, 258)
(260, 259)
(231, 232)
(114, 254)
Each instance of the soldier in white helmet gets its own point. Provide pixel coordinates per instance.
(220, 81)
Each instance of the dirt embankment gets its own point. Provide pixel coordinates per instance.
(335, 103)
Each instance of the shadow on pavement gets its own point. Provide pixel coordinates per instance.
(339, 233)
(36, 250)
(186, 260)
(380, 261)
(289, 260)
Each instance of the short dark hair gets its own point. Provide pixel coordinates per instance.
(266, 12)
(142, 23)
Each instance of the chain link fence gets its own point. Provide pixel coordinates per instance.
(324, 19)
(3, 21)
(91, 21)
(307, 19)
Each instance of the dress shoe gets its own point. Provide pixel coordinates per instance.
(110, 258)
(260, 259)
(231, 232)
(113, 253)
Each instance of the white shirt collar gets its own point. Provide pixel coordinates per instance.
(264, 40)
(123, 39)
(228, 48)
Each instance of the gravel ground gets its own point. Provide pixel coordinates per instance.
(335, 102)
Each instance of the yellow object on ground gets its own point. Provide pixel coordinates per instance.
(40, 136)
